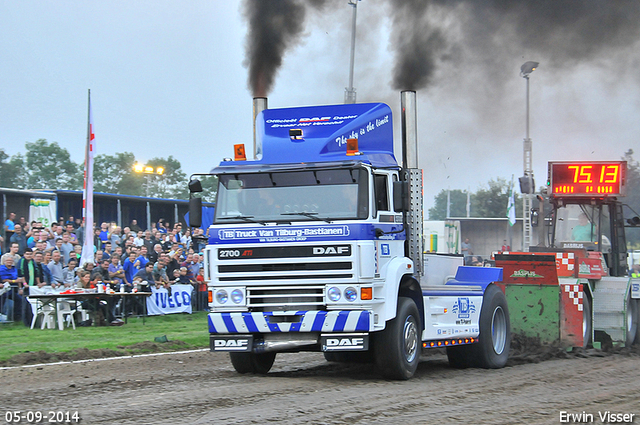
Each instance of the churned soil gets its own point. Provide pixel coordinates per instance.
(37, 357)
(538, 385)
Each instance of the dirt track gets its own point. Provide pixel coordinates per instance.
(202, 388)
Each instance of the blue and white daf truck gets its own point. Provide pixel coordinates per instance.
(316, 245)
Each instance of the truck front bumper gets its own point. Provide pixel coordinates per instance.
(291, 321)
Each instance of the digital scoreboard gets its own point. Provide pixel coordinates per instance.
(593, 179)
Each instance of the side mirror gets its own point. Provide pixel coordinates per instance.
(195, 186)
(195, 211)
(400, 194)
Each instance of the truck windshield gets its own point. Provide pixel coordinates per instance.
(582, 223)
(308, 195)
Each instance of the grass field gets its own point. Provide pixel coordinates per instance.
(190, 329)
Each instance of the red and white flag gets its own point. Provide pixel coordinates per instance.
(87, 194)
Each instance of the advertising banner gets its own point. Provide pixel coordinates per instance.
(163, 302)
(42, 210)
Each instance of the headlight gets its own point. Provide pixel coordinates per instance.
(350, 294)
(333, 293)
(236, 296)
(222, 296)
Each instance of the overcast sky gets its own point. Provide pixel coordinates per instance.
(170, 78)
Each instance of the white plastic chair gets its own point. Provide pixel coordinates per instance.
(84, 314)
(64, 309)
(46, 311)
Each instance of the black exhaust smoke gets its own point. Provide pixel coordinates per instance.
(274, 26)
(429, 33)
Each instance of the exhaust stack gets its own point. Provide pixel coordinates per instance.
(259, 105)
(413, 176)
(409, 129)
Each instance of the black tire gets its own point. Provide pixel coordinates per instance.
(259, 363)
(459, 356)
(637, 340)
(631, 321)
(331, 356)
(349, 356)
(397, 349)
(586, 322)
(492, 350)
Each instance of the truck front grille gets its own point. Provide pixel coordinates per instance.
(231, 273)
(273, 298)
(284, 278)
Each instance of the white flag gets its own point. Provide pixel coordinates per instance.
(87, 195)
(511, 208)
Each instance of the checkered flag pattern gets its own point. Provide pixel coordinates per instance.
(565, 260)
(575, 294)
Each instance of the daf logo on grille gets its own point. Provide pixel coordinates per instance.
(330, 250)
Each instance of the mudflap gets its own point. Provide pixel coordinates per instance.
(231, 343)
(344, 342)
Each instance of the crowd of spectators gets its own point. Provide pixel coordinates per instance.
(124, 258)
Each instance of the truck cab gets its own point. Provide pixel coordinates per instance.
(316, 245)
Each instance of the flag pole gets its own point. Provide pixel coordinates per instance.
(87, 193)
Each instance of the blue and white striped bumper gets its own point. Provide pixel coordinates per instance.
(304, 321)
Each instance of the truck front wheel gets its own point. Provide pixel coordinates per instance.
(349, 357)
(586, 321)
(259, 363)
(397, 348)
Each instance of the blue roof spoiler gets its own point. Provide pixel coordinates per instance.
(320, 133)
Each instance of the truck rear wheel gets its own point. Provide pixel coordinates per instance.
(631, 321)
(492, 350)
(259, 363)
(398, 347)
(586, 321)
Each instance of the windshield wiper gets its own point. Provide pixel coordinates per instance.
(247, 218)
(311, 215)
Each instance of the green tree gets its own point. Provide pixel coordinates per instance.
(114, 174)
(12, 172)
(493, 200)
(171, 184)
(209, 188)
(457, 205)
(487, 202)
(49, 166)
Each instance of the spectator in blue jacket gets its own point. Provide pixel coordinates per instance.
(9, 274)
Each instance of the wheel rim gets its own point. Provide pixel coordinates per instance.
(410, 334)
(631, 315)
(499, 330)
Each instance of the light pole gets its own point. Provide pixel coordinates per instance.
(147, 170)
(527, 182)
